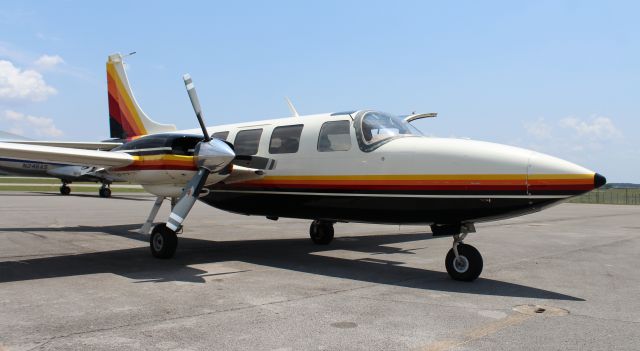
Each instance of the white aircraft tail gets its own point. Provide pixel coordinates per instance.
(126, 118)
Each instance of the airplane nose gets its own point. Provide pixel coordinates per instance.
(599, 180)
(551, 175)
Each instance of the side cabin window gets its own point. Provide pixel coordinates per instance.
(221, 135)
(285, 139)
(334, 136)
(247, 142)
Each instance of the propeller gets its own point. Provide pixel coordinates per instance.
(211, 155)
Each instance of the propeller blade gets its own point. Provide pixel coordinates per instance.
(193, 96)
(187, 199)
(256, 162)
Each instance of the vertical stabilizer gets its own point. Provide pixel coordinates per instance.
(126, 118)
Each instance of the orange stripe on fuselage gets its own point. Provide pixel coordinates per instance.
(430, 179)
(434, 182)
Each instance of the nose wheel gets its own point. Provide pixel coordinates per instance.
(463, 261)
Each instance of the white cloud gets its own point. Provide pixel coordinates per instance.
(598, 127)
(17, 84)
(48, 61)
(539, 129)
(572, 135)
(41, 126)
(594, 129)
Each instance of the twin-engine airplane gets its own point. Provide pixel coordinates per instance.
(357, 166)
(65, 172)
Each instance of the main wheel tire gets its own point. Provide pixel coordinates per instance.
(321, 232)
(104, 192)
(65, 190)
(163, 241)
(469, 265)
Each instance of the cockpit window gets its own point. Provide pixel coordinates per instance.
(376, 128)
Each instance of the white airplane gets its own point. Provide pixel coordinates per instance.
(66, 173)
(357, 166)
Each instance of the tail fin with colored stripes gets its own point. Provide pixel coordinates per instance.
(126, 118)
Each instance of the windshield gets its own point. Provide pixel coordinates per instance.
(377, 127)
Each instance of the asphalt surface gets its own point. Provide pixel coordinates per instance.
(75, 275)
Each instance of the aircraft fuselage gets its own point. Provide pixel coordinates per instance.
(352, 167)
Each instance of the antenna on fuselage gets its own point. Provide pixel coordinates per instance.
(291, 107)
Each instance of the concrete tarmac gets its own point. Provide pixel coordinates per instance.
(76, 275)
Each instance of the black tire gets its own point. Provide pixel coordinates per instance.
(65, 190)
(105, 192)
(321, 232)
(468, 272)
(163, 241)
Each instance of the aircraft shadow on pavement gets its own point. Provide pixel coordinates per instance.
(292, 254)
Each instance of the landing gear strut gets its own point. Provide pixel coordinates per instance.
(321, 232)
(64, 189)
(105, 190)
(463, 261)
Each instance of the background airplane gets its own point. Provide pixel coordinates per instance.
(67, 173)
(354, 166)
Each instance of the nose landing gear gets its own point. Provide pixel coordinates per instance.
(463, 262)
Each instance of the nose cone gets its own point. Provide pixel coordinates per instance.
(548, 175)
(599, 180)
(214, 155)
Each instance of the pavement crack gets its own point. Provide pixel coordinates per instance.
(605, 319)
(159, 320)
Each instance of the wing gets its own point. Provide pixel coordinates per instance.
(70, 144)
(65, 155)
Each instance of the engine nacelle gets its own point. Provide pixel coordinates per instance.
(68, 172)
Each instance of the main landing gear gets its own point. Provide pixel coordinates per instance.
(463, 262)
(321, 232)
(64, 189)
(162, 240)
(105, 190)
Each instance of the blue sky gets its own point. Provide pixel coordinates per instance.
(560, 77)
